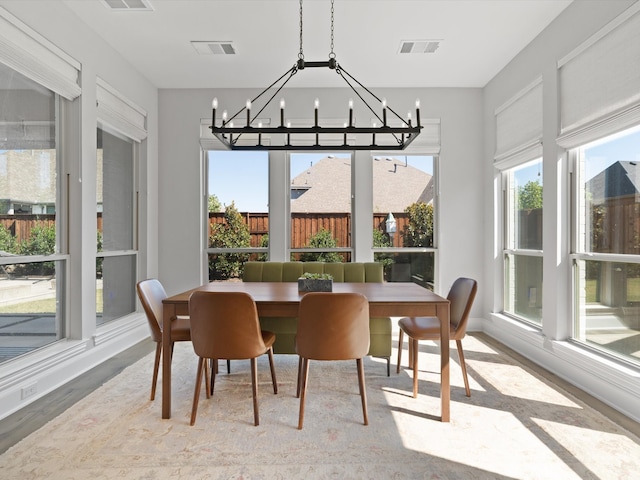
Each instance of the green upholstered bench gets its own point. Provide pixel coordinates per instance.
(285, 328)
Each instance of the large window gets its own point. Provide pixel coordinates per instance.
(523, 242)
(32, 266)
(237, 211)
(404, 200)
(116, 216)
(607, 244)
(320, 207)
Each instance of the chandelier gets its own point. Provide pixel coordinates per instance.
(389, 131)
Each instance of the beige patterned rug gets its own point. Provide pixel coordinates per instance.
(515, 425)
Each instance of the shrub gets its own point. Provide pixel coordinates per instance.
(419, 231)
(322, 239)
(233, 233)
(41, 241)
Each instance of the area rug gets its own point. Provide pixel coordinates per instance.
(515, 425)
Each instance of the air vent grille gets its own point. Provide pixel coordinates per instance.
(127, 5)
(214, 48)
(419, 46)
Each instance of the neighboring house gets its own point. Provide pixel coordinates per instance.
(20, 190)
(325, 186)
(619, 181)
(23, 193)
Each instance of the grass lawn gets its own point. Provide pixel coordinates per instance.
(45, 305)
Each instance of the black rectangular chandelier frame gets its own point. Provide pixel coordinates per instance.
(393, 137)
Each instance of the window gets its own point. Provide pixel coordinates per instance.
(320, 207)
(523, 242)
(607, 244)
(237, 222)
(404, 200)
(116, 261)
(32, 265)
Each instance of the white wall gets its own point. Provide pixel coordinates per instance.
(87, 345)
(461, 213)
(611, 383)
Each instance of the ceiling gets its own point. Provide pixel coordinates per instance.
(477, 39)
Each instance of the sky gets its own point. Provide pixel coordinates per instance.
(249, 189)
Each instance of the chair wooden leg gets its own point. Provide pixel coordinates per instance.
(214, 371)
(228, 367)
(273, 371)
(207, 380)
(196, 394)
(410, 343)
(414, 355)
(363, 390)
(400, 339)
(303, 389)
(156, 365)
(254, 388)
(464, 368)
(299, 385)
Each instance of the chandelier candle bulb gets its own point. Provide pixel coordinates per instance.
(418, 112)
(282, 113)
(214, 106)
(259, 134)
(384, 112)
(316, 105)
(248, 113)
(350, 113)
(345, 135)
(224, 117)
(409, 118)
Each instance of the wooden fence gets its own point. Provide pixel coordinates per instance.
(305, 225)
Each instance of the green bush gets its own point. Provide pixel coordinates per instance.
(7, 241)
(233, 233)
(419, 231)
(41, 241)
(322, 239)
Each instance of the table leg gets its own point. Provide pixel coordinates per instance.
(445, 387)
(168, 313)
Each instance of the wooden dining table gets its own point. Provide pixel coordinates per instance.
(282, 299)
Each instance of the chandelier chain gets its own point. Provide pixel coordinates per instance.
(301, 53)
(332, 53)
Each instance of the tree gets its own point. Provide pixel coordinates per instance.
(322, 239)
(7, 241)
(214, 204)
(419, 231)
(41, 241)
(233, 233)
(530, 196)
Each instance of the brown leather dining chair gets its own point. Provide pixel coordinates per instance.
(151, 293)
(461, 296)
(226, 325)
(332, 326)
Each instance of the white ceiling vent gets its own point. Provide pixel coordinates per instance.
(419, 46)
(127, 5)
(214, 48)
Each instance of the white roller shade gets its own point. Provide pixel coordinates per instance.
(27, 52)
(519, 127)
(600, 82)
(119, 113)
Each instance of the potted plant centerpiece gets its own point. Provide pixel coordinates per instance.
(315, 282)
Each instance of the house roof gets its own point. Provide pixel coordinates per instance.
(325, 186)
(620, 179)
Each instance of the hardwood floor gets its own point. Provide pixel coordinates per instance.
(29, 419)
